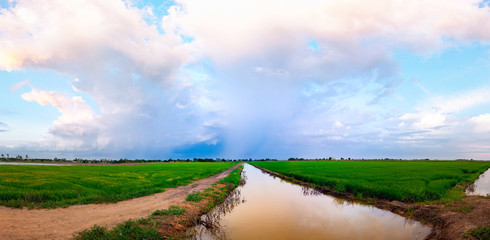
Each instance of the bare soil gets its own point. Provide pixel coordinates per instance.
(175, 227)
(450, 221)
(63, 223)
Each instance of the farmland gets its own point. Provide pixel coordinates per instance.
(408, 181)
(61, 186)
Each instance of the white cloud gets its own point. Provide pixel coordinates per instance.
(235, 29)
(19, 85)
(337, 124)
(482, 123)
(424, 120)
(356, 40)
(76, 128)
(247, 79)
(436, 112)
(125, 64)
(51, 33)
(72, 110)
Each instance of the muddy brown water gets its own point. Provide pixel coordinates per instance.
(481, 186)
(266, 207)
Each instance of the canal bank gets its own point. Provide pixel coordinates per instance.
(267, 207)
(450, 220)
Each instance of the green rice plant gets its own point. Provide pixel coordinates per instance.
(61, 186)
(408, 181)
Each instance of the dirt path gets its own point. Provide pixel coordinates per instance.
(62, 223)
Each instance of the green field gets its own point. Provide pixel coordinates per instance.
(60, 186)
(410, 181)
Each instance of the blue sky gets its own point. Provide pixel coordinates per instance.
(245, 79)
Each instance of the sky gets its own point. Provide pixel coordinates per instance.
(245, 79)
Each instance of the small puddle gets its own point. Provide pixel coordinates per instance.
(266, 207)
(481, 186)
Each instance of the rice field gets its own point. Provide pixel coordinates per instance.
(409, 181)
(61, 186)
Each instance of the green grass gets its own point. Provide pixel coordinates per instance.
(171, 211)
(231, 182)
(128, 230)
(409, 181)
(464, 209)
(194, 197)
(482, 232)
(61, 186)
(233, 178)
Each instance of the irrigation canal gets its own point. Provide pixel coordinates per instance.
(266, 207)
(481, 186)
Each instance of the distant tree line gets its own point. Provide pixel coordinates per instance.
(19, 158)
(365, 159)
(6, 157)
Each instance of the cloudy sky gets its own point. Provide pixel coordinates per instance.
(245, 79)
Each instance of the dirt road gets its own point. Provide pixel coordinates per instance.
(62, 223)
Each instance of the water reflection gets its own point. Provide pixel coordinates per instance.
(310, 191)
(268, 208)
(481, 186)
(209, 224)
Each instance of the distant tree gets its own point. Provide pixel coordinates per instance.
(8, 156)
(27, 156)
(3, 156)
